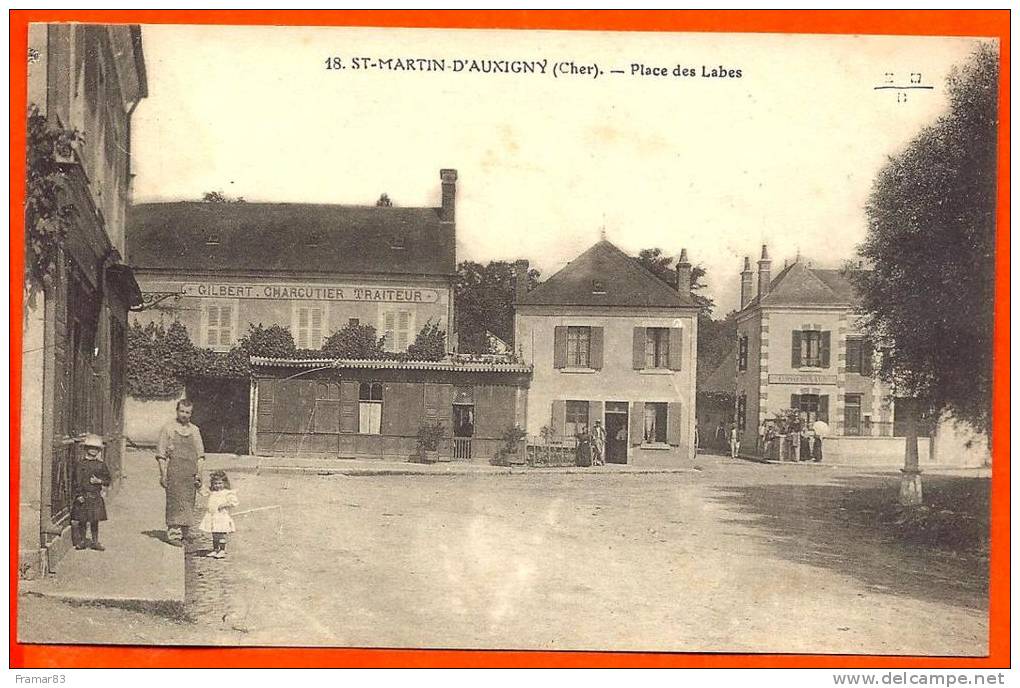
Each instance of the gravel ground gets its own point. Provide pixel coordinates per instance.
(710, 560)
(733, 557)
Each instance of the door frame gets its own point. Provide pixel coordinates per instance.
(626, 426)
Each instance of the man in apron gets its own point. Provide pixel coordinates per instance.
(181, 457)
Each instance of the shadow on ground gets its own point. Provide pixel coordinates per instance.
(852, 525)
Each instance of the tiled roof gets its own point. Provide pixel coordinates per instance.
(623, 282)
(799, 285)
(290, 237)
(482, 366)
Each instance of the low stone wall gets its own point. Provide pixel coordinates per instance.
(143, 419)
(872, 451)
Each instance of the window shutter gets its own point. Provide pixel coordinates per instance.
(867, 353)
(823, 407)
(597, 334)
(637, 419)
(348, 406)
(639, 348)
(795, 401)
(226, 320)
(795, 349)
(676, 348)
(826, 340)
(674, 418)
(559, 418)
(594, 413)
(560, 347)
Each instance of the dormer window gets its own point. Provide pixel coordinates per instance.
(598, 287)
(212, 240)
(397, 243)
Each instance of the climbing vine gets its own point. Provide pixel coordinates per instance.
(48, 217)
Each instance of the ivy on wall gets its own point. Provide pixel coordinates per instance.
(161, 359)
(48, 217)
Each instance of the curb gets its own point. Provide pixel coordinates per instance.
(168, 608)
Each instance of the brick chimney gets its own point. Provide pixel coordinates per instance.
(745, 283)
(764, 272)
(447, 210)
(683, 273)
(520, 279)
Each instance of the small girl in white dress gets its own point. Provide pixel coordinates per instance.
(217, 518)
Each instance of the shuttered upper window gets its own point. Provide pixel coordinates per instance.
(657, 347)
(810, 349)
(219, 325)
(579, 347)
(309, 325)
(397, 328)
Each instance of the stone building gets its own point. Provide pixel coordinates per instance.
(608, 341)
(87, 78)
(219, 268)
(799, 346)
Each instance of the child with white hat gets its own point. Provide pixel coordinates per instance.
(90, 477)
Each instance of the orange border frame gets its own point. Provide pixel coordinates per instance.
(994, 23)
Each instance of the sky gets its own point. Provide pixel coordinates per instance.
(784, 155)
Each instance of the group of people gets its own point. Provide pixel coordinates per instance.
(591, 446)
(180, 455)
(795, 439)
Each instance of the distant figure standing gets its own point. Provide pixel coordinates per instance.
(720, 435)
(821, 430)
(181, 458)
(762, 431)
(734, 442)
(91, 475)
(598, 445)
(796, 427)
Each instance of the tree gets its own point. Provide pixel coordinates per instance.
(929, 299)
(716, 339)
(384, 202)
(219, 197)
(662, 267)
(274, 341)
(429, 344)
(355, 341)
(484, 298)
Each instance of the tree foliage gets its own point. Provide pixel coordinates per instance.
(220, 197)
(662, 266)
(48, 214)
(929, 299)
(484, 298)
(429, 344)
(274, 341)
(354, 341)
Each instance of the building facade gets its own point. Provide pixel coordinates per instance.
(220, 268)
(374, 409)
(608, 341)
(87, 78)
(799, 347)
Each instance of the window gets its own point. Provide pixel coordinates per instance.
(742, 412)
(396, 327)
(220, 321)
(579, 347)
(309, 326)
(598, 287)
(657, 347)
(852, 414)
(655, 422)
(370, 397)
(742, 353)
(577, 418)
(814, 406)
(858, 355)
(810, 348)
